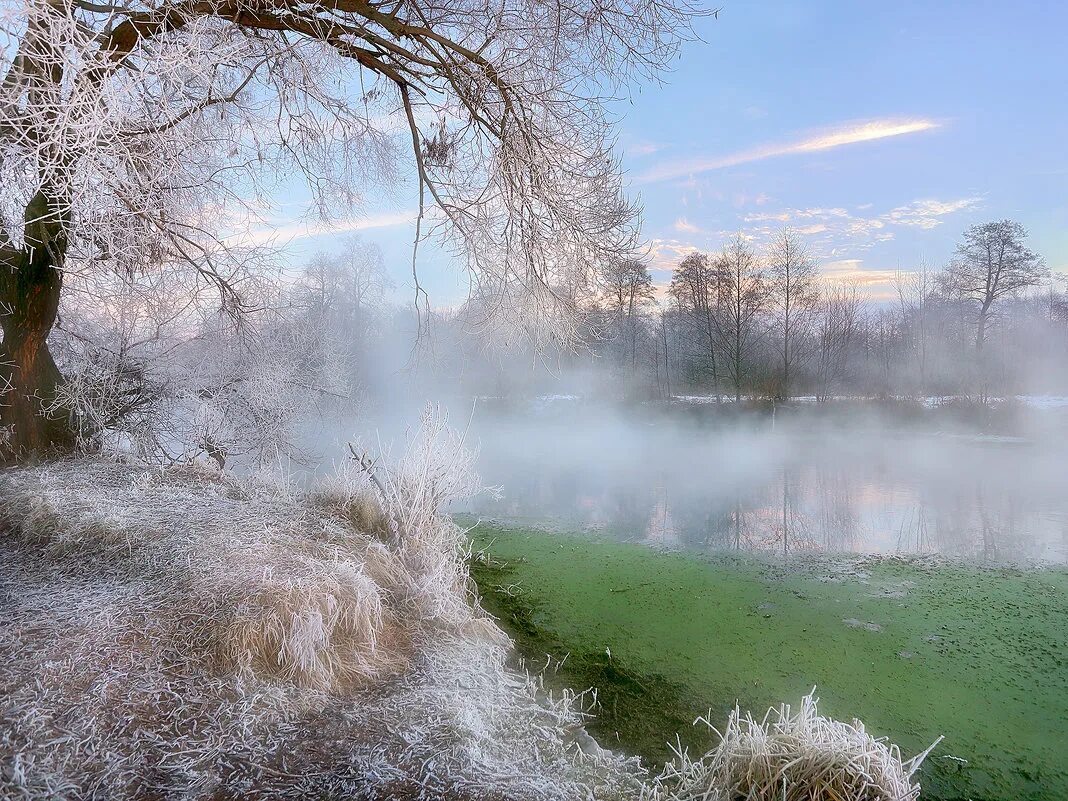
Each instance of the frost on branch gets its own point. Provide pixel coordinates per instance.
(159, 372)
(151, 133)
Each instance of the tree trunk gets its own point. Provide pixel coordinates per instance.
(30, 288)
(980, 333)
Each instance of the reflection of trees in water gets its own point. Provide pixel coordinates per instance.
(661, 527)
(836, 504)
(832, 506)
(985, 522)
(988, 527)
(804, 510)
(914, 531)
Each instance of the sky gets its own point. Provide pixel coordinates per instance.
(877, 131)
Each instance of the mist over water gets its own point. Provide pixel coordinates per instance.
(788, 486)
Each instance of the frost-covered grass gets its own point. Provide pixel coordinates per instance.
(183, 634)
(792, 756)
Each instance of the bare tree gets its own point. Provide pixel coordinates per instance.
(134, 135)
(695, 286)
(839, 324)
(992, 263)
(792, 276)
(629, 290)
(743, 303)
(914, 301)
(148, 368)
(345, 289)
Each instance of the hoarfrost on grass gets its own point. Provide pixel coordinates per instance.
(180, 632)
(791, 755)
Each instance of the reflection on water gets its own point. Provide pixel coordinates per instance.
(995, 501)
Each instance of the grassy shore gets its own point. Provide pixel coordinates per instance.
(914, 650)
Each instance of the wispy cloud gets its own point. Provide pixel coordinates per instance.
(844, 227)
(284, 234)
(836, 137)
(642, 148)
(685, 226)
(926, 213)
(874, 283)
(664, 254)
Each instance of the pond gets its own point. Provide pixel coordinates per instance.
(734, 603)
(795, 488)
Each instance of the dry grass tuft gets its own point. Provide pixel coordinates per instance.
(792, 756)
(252, 580)
(346, 495)
(326, 629)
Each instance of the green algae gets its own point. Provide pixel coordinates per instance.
(915, 651)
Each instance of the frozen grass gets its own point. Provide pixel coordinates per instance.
(791, 756)
(181, 634)
(244, 578)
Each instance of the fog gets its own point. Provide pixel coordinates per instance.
(798, 480)
(784, 489)
(917, 427)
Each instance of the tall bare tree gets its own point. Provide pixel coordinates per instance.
(344, 289)
(794, 293)
(744, 298)
(839, 326)
(914, 304)
(991, 263)
(133, 134)
(629, 290)
(695, 286)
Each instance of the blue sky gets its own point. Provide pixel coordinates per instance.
(878, 130)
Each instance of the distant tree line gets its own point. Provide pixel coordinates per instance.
(748, 322)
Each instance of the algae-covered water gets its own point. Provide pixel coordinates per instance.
(914, 648)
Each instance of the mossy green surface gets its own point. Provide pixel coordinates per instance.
(978, 655)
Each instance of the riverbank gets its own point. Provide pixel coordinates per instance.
(182, 633)
(915, 650)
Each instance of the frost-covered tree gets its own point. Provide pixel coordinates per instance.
(148, 368)
(345, 292)
(138, 134)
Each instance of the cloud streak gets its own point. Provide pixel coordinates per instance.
(284, 234)
(828, 140)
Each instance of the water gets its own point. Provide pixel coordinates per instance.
(798, 489)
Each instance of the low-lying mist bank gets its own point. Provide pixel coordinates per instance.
(914, 649)
(795, 480)
(977, 481)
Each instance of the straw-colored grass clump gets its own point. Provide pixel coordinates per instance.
(245, 579)
(792, 756)
(326, 629)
